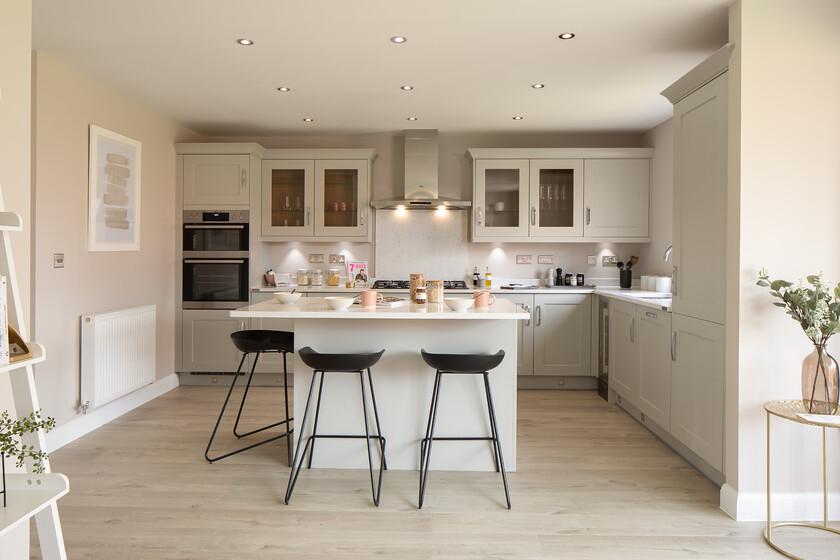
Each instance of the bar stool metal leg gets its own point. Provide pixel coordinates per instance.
(289, 429)
(296, 465)
(222, 413)
(313, 437)
(375, 488)
(376, 417)
(496, 436)
(427, 451)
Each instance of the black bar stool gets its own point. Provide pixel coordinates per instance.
(257, 342)
(461, 364)
(338, 363)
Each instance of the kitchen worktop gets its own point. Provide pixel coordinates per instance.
(317, 308)
(655, 300)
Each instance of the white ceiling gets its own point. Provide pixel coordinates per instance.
(472, 62)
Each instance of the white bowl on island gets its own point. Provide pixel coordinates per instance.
(338, 303)
(459, 304)
(287, 297)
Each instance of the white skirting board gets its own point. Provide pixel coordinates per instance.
(84, 424)
(786, 506)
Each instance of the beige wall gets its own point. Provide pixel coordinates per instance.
(15, 158)
(661, 139)
(789, 199)
(66, 103)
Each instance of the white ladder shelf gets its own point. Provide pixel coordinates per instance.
(29, 495)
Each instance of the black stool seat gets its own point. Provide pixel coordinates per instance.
(263, 341)
(463, 363)
(338, 362)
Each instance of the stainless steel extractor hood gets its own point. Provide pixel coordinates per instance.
(421, 176)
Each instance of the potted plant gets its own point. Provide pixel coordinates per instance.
(11, 442)
(817, 310)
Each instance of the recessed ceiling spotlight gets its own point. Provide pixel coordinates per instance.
(308, 119)
(411, 119)
(406, 88)
(245, 42)
(284, 89)
(567, 36)
(538, 86)
(398, 39)
(518, 118)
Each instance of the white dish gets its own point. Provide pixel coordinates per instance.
(459, 304)
(338, 303)
(287, 297)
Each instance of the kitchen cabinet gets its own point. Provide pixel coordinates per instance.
(317, 199)
(271, 362)
(524, 334)
(697, 387)
(556, 197)
(205, 340)
(617, 197)
(560, 195)
(700, 202)
(288, 195)
(653, 338)
(624, 352)
(216, 182)
(562, 334)
(501, 198)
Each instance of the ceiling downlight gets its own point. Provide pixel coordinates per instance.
(566, 36)
(244, 42)
(398, 39)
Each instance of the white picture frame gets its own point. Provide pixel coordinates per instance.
(114, 164)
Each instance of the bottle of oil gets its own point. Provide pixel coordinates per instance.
(476, 278)
(488, 279)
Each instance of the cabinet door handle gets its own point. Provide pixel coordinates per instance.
(651, 315)
(244, 180)
(588, 215)
(527, 309)
(673, 346)
(361, 216)
(308, 215)
(533, 215)
(674, 281)
(539, 315)
(479, 214)
(633, 329)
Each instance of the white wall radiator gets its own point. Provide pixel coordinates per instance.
(117, 354)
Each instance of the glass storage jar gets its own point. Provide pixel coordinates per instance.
(303, 277)
(333, 277)
(316, 277)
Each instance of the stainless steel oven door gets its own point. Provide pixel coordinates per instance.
(215, 238)
(215, 283)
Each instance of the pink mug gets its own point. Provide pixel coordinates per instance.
(483, 299)
(370, 298)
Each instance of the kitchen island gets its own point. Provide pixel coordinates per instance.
(403, 382)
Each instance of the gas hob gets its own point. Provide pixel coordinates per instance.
(403, 285)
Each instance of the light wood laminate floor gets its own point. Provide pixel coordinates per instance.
(592, 484)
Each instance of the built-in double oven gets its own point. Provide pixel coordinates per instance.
(215, 273)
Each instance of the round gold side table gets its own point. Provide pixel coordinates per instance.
(790, 410)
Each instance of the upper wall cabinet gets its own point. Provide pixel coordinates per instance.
(316, 198)
(561, 195)
(216, 181)
(617, 197)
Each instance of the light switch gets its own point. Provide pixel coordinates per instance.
(337, 259)
(58, 260)
(316, 257)
(592, 260)
(545, 259)
(608, 260)
(524, 259)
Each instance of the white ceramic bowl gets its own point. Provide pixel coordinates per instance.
(287, 297)
(458, 304)
(339, 303)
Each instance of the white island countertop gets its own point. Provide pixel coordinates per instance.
(317, 308)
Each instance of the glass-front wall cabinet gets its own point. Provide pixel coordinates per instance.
(341, 198)
(501, 198)
(287, 198)
(556, 197)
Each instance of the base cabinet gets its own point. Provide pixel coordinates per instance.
(524, 334)
(562, 334)
(624, 352)
(697, 390)
(205, 340)
(653, 337)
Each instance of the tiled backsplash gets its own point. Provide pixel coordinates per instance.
(439, 246)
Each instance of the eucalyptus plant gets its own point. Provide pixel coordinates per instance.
(11, 440)
(815, 305)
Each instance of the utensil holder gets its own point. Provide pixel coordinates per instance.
(625, 278)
